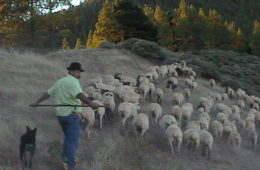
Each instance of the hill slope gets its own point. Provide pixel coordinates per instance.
(25, 76)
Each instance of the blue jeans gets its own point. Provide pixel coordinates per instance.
(71, 127)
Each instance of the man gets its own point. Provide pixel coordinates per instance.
(67, 90)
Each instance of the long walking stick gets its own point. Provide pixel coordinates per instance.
(63, 105)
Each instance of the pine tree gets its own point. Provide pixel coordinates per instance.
(149, 12)
(107, 28)
(240, 42)
(189, 27)
(160, 16)
(89, 42)
(202, 13)
(78, 44)
(218, 35)
(133, 21)
(255, 42)
(65, 44)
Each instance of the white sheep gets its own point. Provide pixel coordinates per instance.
(100, 112)
(159, 94)
(212, 82)
(234, 140)
(151, 89)
(96, 95)
(231, 124)
(217, 97)
(206, 143)
(217, 129)
(187, 110)
(230, 92)
(206, 103)
(131, 97)
(235, 109)
(206, 115)
(241, 124)
(224, 97)
(109, 101)
(144, 88)
(176, 111)
(240, 93)
(250, 126)
(155, 110)
(252, 135)
(188, 82)
(128, 80)
(174, 136)
(193, 125)
(191, 138)
(220, 107)
(251, 111)
(141, 124)
(172, 82)
(155, 76)
(250, 118)
(255, 106)
(227, 130)
(105, 87)
(90, 89)
(204, 123)
(108, 79)
(163, 71)
(241, 103)
(187, 93)
(194, 86)
(166, 121)
(87, 119)
(177, 98)
(127, 110)
(221, 117)
(257, 118)
(94, 81)
(235, 116)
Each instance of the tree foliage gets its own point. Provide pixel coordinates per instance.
(133, 21)
(255, 42)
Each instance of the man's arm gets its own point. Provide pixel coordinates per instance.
(43, 97)
(86, 100)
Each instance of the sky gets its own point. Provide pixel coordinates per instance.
(76, 2)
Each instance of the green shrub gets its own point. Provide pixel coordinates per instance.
(146, 49)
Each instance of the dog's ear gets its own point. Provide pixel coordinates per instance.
(27, 128)
(35, 129)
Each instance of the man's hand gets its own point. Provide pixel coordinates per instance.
(94, 105)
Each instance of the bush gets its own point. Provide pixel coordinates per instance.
(146, 49)
(230, 83)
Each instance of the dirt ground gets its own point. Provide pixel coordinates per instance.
(25, 76)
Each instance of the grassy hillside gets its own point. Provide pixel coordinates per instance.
(227, 67)
(24, 76)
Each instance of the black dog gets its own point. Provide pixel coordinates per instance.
(27, 147)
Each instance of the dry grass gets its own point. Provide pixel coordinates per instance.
(25, 76)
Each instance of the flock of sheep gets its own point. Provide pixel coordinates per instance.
(225, 116)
